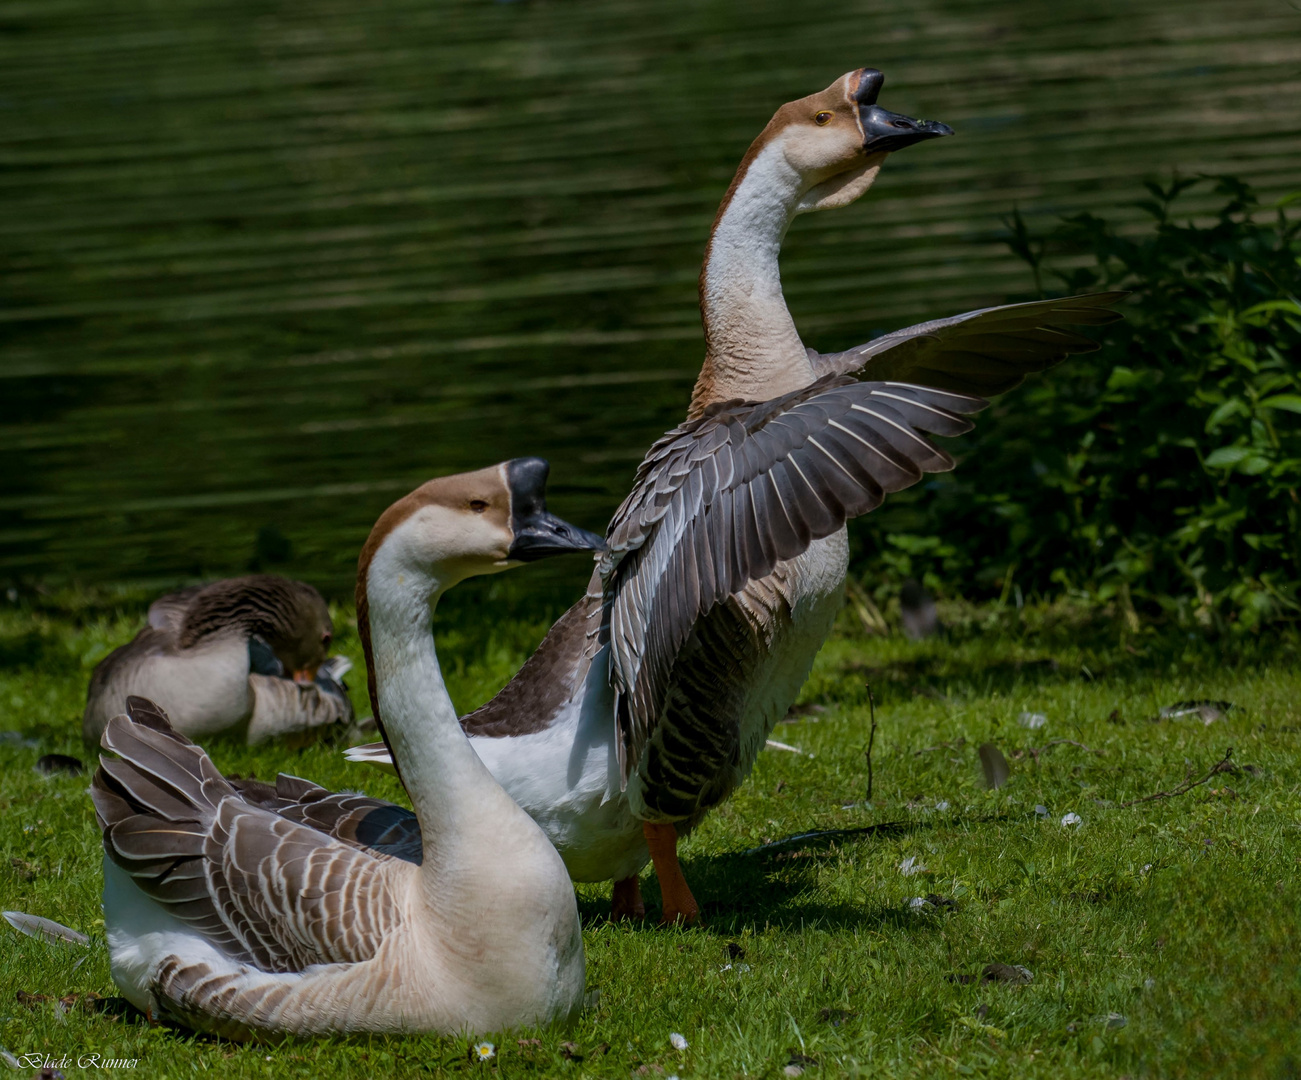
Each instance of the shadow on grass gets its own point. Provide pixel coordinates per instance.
(770, 887)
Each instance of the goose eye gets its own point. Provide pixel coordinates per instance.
(823, 118)
(478, 506)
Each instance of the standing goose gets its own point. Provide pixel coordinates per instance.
(649, 700)
(230, 919)
(246, 654)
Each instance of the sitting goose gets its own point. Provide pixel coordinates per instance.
(245, 653)
(232, 920)
(707, 634)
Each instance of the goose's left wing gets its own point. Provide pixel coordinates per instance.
(722, 499)
(983, 352)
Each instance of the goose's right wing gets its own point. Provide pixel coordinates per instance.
(983, 352)
(721, 500)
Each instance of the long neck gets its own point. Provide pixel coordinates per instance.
(458, 803)
(752, 349)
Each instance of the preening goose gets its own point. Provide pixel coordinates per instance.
(246, 654)
(651, 697)
(232, 919)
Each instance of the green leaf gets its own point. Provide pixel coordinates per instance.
(1289, 402)
(1122, 378)
(1271, 305)
(1227, 456)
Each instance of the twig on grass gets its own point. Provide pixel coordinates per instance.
(871, 738)
(1035, 751)
(1223, 765)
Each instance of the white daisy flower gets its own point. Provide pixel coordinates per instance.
(484, 1051)
(1072, 819)
(678, 1042)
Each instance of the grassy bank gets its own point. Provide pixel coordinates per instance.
(1162, 936)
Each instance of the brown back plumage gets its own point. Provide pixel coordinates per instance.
(291, 615)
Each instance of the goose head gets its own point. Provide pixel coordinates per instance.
(455, 527)
(838, 138)
(301, 639)
(287, 621)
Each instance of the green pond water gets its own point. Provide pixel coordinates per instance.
(266, 266)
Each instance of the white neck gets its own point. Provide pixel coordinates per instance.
(752, 347)
(463, 811)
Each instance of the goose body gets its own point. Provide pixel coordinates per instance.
(244, 654)
(236, 919)
(650, 705)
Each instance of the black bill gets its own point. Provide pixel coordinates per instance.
(539, 534)
(884, 130)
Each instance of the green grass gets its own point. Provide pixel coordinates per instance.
(1181, 915)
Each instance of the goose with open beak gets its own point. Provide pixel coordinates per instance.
(650, 699)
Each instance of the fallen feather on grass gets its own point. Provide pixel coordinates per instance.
(1032, 720)
(1072, 819)
(678, 1042)
(911, 866)
(942, 805)
(1040, 810)
(773, 744)
(797, 1063)
(39, 927)
(994, 764)
(1205, 710)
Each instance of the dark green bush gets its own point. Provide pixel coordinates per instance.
(1161, 471)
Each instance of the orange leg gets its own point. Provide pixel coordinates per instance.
(626, 900)
(679, 904)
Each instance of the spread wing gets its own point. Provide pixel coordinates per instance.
(983, 352)
(721, 500)
(264, 889)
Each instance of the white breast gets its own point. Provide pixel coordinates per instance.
(566, 777)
